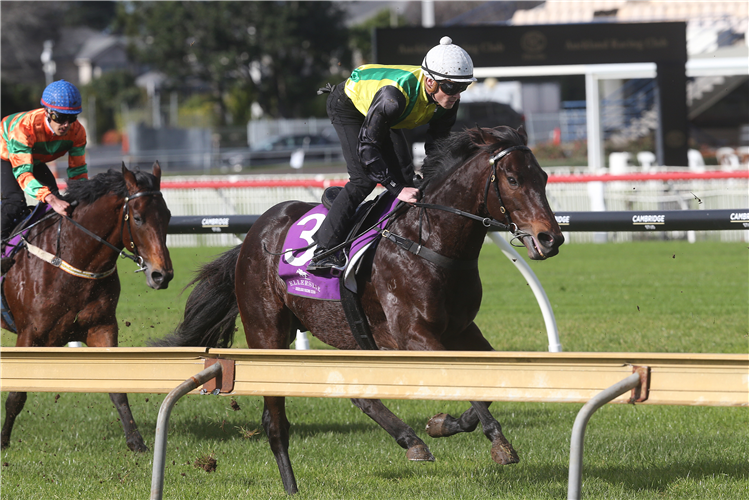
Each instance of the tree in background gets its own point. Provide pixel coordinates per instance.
(17, 97)
(110, 92)
(273, 53)
(25, 27)
(361, 34)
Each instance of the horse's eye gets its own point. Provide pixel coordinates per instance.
(513, 181)
(138, 219)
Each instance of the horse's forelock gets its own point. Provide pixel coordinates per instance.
(504, 137)
(146, 181)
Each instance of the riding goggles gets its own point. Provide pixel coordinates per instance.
(452, 88)
(60, 118)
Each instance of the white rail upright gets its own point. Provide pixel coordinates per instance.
(162, 424)
(538, 290)
(575, 481)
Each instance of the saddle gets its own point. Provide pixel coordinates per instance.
(371, 217)
(14, 243)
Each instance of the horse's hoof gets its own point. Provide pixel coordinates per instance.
(419, 453)
(437, 426)
(137, 446)
(503, 453)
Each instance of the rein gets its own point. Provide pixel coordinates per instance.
(430, 255)
(449, 263)
(56, 261)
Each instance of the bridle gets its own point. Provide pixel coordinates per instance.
(57, 261)
(508, 225)
(488, 222)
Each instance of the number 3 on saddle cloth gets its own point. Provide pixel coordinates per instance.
(13, 246)
(293, 262)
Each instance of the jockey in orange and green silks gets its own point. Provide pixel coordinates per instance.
(26, 139)
(31, 139)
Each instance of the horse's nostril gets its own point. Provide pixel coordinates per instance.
(545, 239)
(549, 240)
(157, 277)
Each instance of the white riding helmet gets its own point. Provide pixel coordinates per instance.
(447, 61)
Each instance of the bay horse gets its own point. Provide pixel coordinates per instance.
(478, 178)
(75, 298)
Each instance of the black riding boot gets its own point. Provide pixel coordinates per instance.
(333, 231)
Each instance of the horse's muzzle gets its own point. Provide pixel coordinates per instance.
(159, 279)
(543, 245)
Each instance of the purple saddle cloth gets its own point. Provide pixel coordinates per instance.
(13, 244)
(9, 249)
(293, 262)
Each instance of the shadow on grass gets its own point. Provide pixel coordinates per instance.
(634, 478)
(213, 428)
(658, 478)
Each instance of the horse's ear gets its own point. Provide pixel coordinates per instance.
(130, 182)
(157, 170)
(479, 135)
(523, 135)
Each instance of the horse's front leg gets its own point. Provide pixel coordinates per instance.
(404, 435)
(502, 451)
(443, 425)
(13, 406)
(106, 336)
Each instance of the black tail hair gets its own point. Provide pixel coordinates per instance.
(211, 310)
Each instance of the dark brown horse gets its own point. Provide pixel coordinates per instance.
(479, 178)
(77, 301)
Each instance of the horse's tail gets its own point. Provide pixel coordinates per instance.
(211, 310)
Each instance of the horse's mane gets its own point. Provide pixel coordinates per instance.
(452, 151)
(111, 181)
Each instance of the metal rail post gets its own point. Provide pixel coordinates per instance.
(574, 483)
(162, 424)
(538, 290)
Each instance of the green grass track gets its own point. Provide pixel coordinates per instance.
(667, 296)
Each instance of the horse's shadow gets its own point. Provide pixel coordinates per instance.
(210, 428)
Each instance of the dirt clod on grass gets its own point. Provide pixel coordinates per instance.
(206, 462)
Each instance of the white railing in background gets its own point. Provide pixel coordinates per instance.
(253, 195)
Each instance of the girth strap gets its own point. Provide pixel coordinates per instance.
(10, 322)
(430, 255)
(356, 318)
